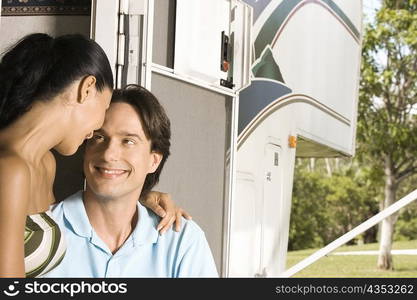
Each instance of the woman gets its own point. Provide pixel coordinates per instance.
(53, 94)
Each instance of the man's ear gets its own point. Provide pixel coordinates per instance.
(155, 161)
(86, 88)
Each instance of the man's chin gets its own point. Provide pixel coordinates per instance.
(102, 192)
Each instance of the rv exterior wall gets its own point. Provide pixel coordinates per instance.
(13, 28)
(313, 60)
(198, 29)
(260, 220)
(164, 33)
(105, 28)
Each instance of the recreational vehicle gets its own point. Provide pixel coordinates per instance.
(249, 85)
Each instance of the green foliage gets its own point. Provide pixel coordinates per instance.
(406, 226)
(325, 207)
(308, 212)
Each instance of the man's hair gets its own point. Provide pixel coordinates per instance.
(155, 123)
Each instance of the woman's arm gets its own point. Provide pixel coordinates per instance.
(164, 206)
(14, 196)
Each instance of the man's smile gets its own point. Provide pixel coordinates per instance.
(110, 173)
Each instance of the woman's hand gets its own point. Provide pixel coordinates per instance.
(164, 206)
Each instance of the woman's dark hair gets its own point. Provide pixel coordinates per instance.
(39, 67)
(155, 123)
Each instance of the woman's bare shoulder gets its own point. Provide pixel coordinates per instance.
(14, 171)
(13, 164)
(14, 183)
(14, 199)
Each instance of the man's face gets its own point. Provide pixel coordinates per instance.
(118, 156)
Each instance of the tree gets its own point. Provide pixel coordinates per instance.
(325, 205)
(387, 124)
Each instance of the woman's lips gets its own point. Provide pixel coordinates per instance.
(110, 173)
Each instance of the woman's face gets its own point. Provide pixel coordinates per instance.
(86, 117)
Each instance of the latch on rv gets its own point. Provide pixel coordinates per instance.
(225, 61)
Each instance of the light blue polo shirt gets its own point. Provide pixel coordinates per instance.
(144, 254)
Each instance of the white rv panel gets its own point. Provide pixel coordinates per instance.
(272, 205)
(311, 52)
(266, 155)
(241, 30)
(199, 27)
(204, 21)
(318, 126)
(104, 28)
(351, 9)
(246, 238)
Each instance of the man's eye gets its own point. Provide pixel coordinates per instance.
(129, 142)
(97, 137)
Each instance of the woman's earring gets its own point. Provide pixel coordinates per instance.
(85, 184)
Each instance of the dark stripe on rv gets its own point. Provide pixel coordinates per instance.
(277, 18)
(343, 16)
(267, 67)
(272, 24)
(256, 97)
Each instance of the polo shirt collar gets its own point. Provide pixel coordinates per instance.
(74, 212)
(145, 231)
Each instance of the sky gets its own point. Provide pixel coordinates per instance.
(369, 7)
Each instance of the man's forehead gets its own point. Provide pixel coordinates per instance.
(122, 119)
(121, 131)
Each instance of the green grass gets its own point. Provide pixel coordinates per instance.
(356, 265)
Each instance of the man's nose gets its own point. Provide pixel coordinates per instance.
(111, 151)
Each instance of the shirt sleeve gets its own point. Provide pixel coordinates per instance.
(197, 259)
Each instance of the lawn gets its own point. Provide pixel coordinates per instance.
(356, 265)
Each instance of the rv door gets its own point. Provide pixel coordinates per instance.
(212, 42)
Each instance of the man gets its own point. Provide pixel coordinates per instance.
(108, 232)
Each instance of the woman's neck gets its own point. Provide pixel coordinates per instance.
(36, 132)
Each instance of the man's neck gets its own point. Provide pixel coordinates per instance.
(112, 219)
